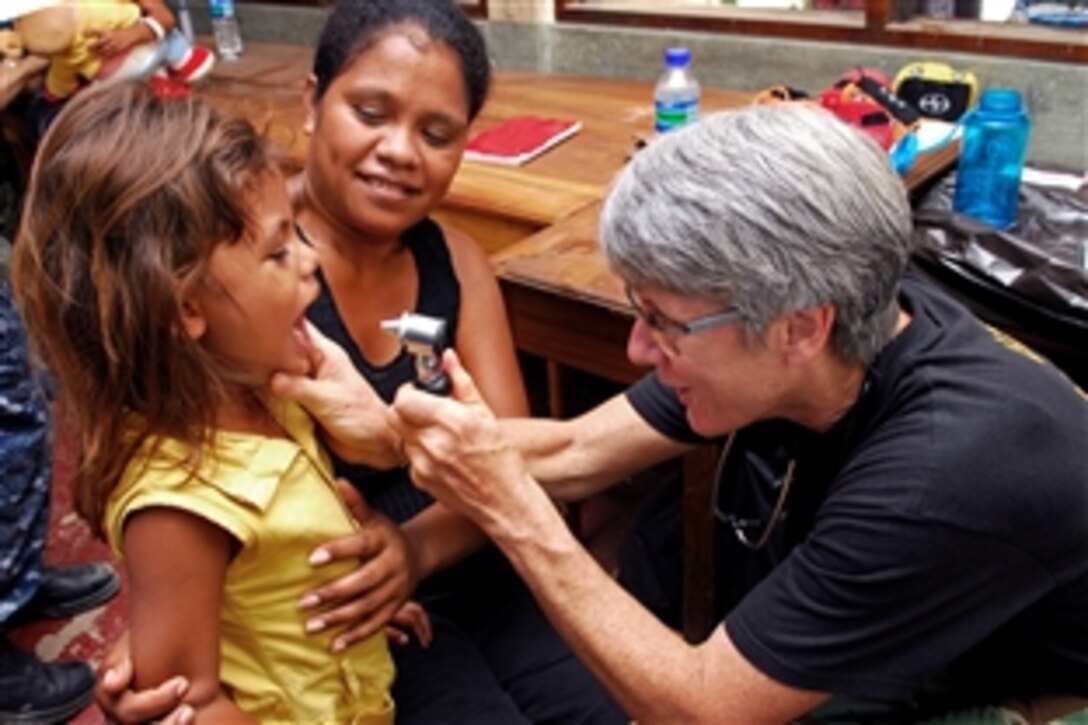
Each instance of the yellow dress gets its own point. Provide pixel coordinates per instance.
(277, 498)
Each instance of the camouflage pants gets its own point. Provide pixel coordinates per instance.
(25, 454)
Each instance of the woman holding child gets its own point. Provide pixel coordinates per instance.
(396, 84)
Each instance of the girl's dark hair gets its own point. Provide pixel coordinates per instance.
(128, 197)
(355, 25)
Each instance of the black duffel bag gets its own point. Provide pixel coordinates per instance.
(1030, 281)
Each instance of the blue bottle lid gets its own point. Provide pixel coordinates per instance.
(1001, 100)
(677, 57)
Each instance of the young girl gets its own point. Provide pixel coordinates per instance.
(163, 282)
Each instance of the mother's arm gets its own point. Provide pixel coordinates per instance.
(484, 341)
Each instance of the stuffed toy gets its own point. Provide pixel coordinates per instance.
(64, 30)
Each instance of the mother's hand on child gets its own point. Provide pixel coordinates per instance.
(122, 705)
(364, 601)
(355, 422)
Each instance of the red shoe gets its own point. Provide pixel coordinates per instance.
(198, 63)
(169, 89)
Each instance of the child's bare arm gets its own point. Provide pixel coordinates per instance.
(156, 20)
(158, 11)
(176, 568)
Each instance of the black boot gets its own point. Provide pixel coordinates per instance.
(32, 691)
(68, 591)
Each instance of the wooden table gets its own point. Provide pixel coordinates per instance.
(265, 85)
(500, 205)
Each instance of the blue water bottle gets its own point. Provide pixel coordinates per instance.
(992, 153)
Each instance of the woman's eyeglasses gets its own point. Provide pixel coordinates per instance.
(744, 526)
(666, 331)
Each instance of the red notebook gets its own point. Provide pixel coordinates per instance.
(516, 140)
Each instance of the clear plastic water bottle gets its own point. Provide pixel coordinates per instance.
(228, 38)
(992, 153)
(676, 95)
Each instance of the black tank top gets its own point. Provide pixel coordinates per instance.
(391, 492)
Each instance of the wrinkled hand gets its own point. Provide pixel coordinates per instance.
(458, 453)
(105, 43)
(123, 705)
(356, 423)
(410, 619)
(365, 600)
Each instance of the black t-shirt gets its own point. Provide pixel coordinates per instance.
(940, 527)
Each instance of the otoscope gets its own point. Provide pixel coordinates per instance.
(424, 337)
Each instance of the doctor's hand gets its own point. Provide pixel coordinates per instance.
(458, 453)
(355, 422)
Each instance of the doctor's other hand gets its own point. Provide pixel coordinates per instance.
(457, 450)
